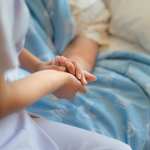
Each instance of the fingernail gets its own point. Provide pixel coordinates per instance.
(85, 82)
(79, 76)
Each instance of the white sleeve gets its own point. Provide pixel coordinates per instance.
(92, 19)
(8, 56)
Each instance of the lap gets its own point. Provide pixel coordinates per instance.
(72, 138)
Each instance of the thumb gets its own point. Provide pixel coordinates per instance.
(89, 76)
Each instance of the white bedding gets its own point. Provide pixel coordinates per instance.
(116, 44)
(126, 19)
(130, 20)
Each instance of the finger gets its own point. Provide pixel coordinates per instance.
(61, 61)
(58, 68)
(52, 62)
(68, 64)
(89, 76)
(70, 67)
(58, 60)
(83, 79)
(80, 74)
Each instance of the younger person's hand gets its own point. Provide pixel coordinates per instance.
(61, 63)
(49, 66)
(70, 88)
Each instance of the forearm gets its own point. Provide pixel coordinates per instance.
(83, 51)
(22, 93)
(29, 61)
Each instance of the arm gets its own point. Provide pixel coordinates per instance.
(33, 64)
(29, 61)
(22, 93)
(19, 94)
(60, 63)
(83, 51)
(91, 24)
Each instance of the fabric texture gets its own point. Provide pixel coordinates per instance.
(72, 138)
(91, 19)
(116, 105)
(130, 20)
(8, 55)
(94, 18)
(18, 130)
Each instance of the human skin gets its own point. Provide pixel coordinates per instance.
(22, 93)
(60, 63)
(83, 51)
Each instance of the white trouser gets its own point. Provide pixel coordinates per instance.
(72, 138)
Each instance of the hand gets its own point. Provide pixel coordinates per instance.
(61, 63)
(89, 76)
(73, 68)
(49, 66)
(70, 89)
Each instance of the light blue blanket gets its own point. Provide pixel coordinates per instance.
(117, 104)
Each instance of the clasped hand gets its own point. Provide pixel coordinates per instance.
(77, 77)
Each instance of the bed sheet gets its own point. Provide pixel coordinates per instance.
(118, 44)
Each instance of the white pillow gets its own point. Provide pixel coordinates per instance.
(131, 20)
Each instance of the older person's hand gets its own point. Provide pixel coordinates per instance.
(77, 77)
(61, 63)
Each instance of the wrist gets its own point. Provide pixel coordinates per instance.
(38, 66)
(83, 64)
(29, 61)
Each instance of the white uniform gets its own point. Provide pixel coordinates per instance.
(19, 131)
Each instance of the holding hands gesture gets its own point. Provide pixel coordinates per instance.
(77, 78)
(61, 63)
